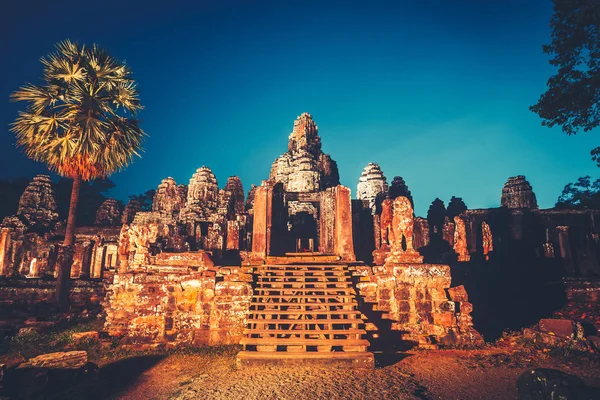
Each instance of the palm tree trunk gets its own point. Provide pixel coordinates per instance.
(70, 231)
(65, 261)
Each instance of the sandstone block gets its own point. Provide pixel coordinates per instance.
(559, 327)
(59, 360)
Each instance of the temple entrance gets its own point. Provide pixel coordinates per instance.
(303, 233)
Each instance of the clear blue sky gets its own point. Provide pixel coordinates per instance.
(436, 91)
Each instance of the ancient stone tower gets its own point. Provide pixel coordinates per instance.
(304, 168)
(517, 193)
(371, 183)
(37, 205)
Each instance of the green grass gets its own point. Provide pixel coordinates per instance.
(32, 344)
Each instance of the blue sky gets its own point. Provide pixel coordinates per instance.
(436, 91)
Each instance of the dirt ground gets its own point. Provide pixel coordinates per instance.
(489, 373)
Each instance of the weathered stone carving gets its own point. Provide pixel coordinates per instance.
(250, 198)
(488, 243)
(109, 213)
(202, 196)
(304, 167)
(37, 206)
(460, 240)
(401, 234)
(140, 238)
(234, 186)
(371, 183)
(168, 199)
(517, 193)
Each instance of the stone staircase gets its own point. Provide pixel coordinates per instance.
(304, 313)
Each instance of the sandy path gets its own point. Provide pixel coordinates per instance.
(451, 374)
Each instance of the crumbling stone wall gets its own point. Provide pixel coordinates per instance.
(418, 298)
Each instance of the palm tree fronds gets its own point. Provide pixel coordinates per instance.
(76, 122)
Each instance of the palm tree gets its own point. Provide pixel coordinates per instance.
(81, 122)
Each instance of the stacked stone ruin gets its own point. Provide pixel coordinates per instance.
(288, 270)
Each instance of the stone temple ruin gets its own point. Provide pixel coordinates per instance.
(296, 271)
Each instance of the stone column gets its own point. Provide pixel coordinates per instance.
(343, 224)
(4, 246)
(233, 235)
(86, 259)
(460, 240)
(327, 222)
(261, 235)
(565, 248)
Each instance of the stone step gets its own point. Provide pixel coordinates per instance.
(250, 331)
(316, 291)
(303, 342)
(297, 297)
(300, 285)
(328, 359)
(324, 321)
(303, 312)
(302, 267)
(306, 274)
(325, 308)
(306, 279)
(296, 258)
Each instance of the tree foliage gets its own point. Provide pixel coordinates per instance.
(145, 199)
(435, 217)
(582, 194)
(572, 99)
(399, 188)
(455, 207)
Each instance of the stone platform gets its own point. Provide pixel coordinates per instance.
(303, 258)
(304, 313)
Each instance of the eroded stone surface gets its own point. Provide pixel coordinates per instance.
(171, 309)
(488, 242)
(460, 240)
(304, 167)
(169, 198)
(202, 196)
(37, 205)
(371, 183)
(517, 193)
(401, 234)
(414, 297)
(109, 213)
(235, 187)
(60, 360)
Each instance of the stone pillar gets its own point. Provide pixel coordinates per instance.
(233, 235)
(327, 222)
(460, 240)
(377, 231)
(261, 235)
(34, 270)
(487, 240)
(4, 246)
(343, 224)
(402, 234)
(86, 259)
(565, 248)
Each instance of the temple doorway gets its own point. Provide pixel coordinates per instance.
(303, 232)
